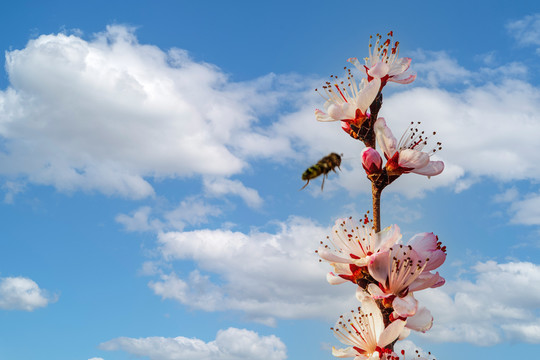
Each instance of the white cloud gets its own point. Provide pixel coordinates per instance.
(220, 187)
(191, 211)
(230, 344)
(96, 358)
(526, 30)
(437, 67)
(264, 275)
(109, 114)
(526, 211)
(139, 220)
(501, 304)
(20, 293)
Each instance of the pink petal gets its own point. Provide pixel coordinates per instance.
(380, 70)
(430, 169)
(405, 306)
(387, 237)
(379, 266)
(421, 321)
(376, 292)
(403, 78)
(426, 245)
(391, 333)
(426, 280)
(400, 66)
(385, 138)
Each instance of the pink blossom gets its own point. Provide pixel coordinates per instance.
(407, 155)
(384, 63)
(351, 246)
(366, 334)
(371, 161)
(400, 271)
(347, 102)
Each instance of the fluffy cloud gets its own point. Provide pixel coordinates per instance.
(230, 344)
(500, 304)
(110, 113)
(20, 293)
(264, 275)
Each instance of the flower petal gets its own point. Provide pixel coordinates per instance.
(343, 353)
(333, 279)
(366, 96)
(332, 257)
(322, 116)
(379, 266)
(385, 138)
(391, 333)
(413, 159)
(405, 306)
(421, 321)
(380, 70)
(432, 168)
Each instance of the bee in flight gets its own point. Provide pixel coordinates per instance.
(322, 167)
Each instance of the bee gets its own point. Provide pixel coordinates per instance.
(322, 167)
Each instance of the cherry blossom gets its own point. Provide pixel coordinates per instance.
(406, 155)
(384, 63)
(371, 161)
(366, 334)
(400, 271)
(347, 102)
(351, 246)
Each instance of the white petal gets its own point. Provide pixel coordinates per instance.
(404, 333)
(379, 70)
(332, 257)
(366, 96)
(334, 280)
(405, 306)
(336, 112)
(385, 138)
(399, 67)
(376, 292)
(431, 169)
(413, 159)
(357, 63)
(421, 321)
(322, 116)
(369, 306)
(391, 333)
(342, 353)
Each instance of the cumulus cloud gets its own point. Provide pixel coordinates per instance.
(109, 114)
(20, 293)
(265, 275)
(499, 305)
(230, 344)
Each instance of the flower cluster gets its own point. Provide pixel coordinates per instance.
(386, 271)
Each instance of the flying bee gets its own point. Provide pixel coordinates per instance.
(322, 167)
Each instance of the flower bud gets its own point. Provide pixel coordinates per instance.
(371, 161)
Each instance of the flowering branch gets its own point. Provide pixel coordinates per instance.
(385, 271)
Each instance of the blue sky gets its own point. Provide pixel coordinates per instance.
(150, 161)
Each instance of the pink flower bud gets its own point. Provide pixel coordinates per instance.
(371, 161)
